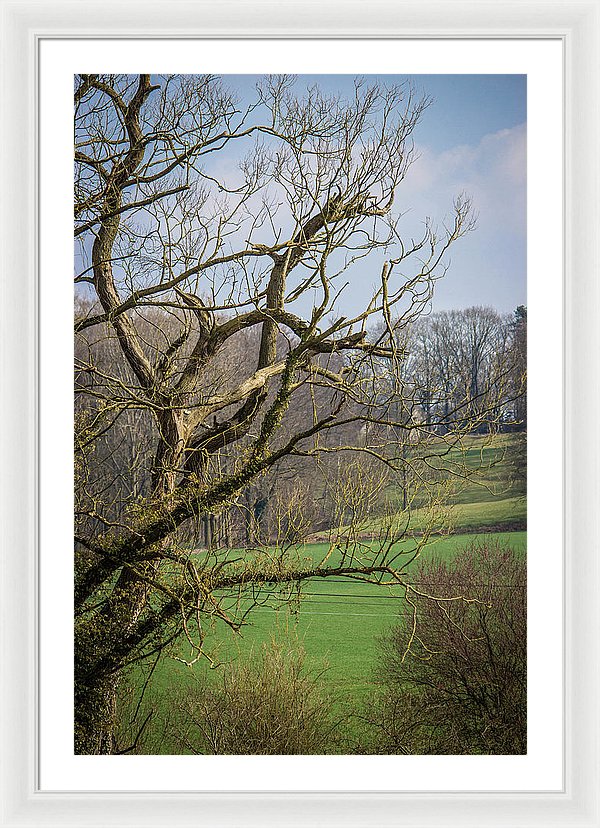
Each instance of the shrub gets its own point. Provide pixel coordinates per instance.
(267, 704)
(453, 672)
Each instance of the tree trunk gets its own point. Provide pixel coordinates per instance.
(227, 529)
(248, 515)
(100, 648)
(95, 716)
(207, 531)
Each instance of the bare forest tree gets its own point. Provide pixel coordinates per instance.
(214, 242)
(458, 362)
(518, 339)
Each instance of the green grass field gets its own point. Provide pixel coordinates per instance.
(337, 621)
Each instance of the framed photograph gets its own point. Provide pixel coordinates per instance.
(335, 353)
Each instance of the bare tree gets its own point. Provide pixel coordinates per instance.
(518, 344)
(462, 366)
(206, 229)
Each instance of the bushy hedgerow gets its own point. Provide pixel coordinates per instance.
(453, 671)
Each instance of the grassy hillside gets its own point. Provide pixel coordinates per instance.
(480, 482)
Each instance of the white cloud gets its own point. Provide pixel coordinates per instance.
(493, 173)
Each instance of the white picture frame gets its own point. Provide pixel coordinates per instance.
(24, 24)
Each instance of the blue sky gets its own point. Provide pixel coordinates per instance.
(471, 139)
